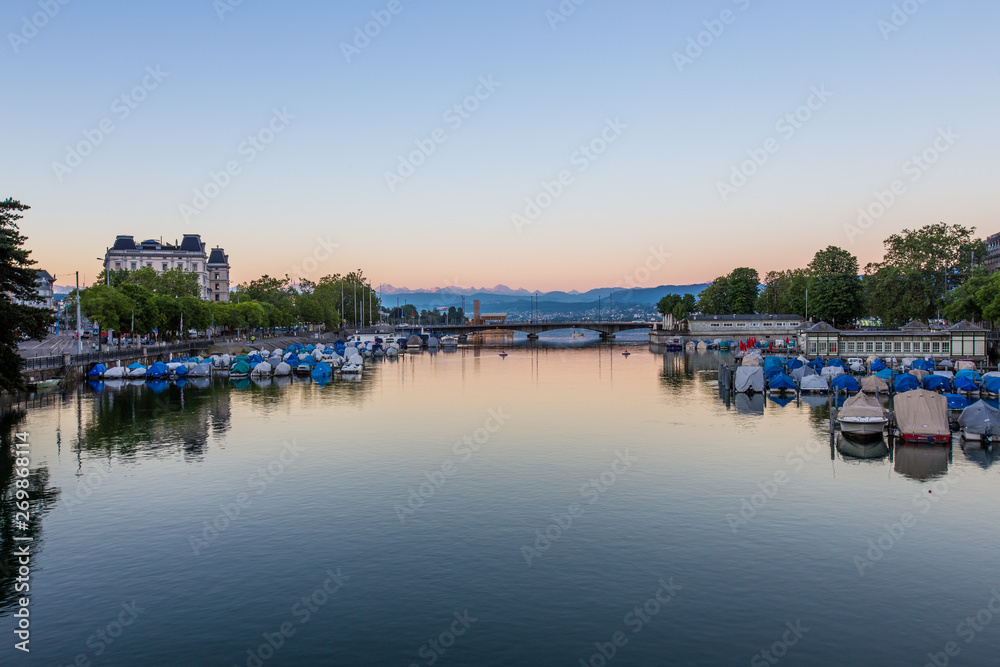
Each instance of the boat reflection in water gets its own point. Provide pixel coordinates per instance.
(921, 462)
(861, 448)
(982, 455)
(749, 404)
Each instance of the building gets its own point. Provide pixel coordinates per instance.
(992, 262)
(916, 339)
(45, 284)
(736, 327)
(190, 255)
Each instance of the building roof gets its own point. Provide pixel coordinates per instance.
(45, 275)
(894, 332)
(744, 318)
(822, 327)
(192, 243)
(123, 242)
(218, 256)
(965, 325)
(915, 325)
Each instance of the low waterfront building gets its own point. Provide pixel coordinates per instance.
(916, 339)
(190, 254)
(738, 327)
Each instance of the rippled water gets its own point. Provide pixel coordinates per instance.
(563, 504)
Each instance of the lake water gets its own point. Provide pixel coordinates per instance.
(564, 505)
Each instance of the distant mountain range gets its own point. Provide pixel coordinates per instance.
(504, 299)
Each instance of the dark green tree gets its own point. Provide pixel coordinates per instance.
(18, 322)
(714, 299)
(742, 286)
(835, 292)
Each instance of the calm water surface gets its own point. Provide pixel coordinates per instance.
(463, 509)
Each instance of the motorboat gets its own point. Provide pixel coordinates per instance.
(922, 416)
(449, 341)
(814, 384)
(862, 415)
(352, 367)
(577, 334)
(849, 446)
(749, 379)
(978, 421)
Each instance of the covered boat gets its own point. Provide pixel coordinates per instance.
(922, 415)
(862, 415)
(801, 372)
(414, 343)
(262, 369)
(905, 382)
(922, 365)
(876, 365)
(814, 384)
(240, 368)
(773, 366)
(115, 373)
(202, 370)
(965, 385)
(886, 374)
(830, 371)
(935, 382)
(157, 371)
(749, 379)
(874, 384)
(97, 371)
(844, 383)
(971, 374)
(282, 369)
(991, 384)
(321, 370)
(136, 371)
(979, 420)
(780, 382)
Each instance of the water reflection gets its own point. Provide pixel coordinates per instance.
(851, 449)
(922, 462)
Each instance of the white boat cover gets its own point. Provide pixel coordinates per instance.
(749, 377)
(114, 373)
(752, 360)
(862, 405)
(991, 374)
(814, 383)
(946, 374)
(282, 369)
(919, 374)
(964, 364)
(874, 383)
(202, 370)
(908, 361)
(801, 372)
(980, 417)
(414, 341)
(921, 413)
(830, 372)
(262, 369)
(857, 367)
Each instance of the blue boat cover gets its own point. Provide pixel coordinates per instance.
(971, 374)
(935, 382)
(836, 362)
(322, 369)
(97, 370)
(254, 359)
(923, 365)
(181, 371)
(956, 401)
(816, 364)
(964, 384)
(773, 364)
(844, 383)
(780, 381)
(991, 383)
(796, 363)
(132, 367)
(877, 366)
(157, 370)
(906, 382)
(886, 374)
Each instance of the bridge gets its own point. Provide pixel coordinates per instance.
(605, 329)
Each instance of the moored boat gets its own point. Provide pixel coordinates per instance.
(862, 416)
(922, 416)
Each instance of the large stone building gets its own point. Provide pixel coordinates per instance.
(992, 261)
(45, 283)
(189, 254)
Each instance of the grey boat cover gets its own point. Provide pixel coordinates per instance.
(749, 377)
(862, 405)
(922, 413)
(814, 383)
(830, 372)
(873, 383)
(980, 417)
(801, 372)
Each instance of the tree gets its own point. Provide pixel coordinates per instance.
(836, 292)
(106, 306)
(666, 305)
(966, 302)
(17, 287)
(178, 282)
(713, 300)
(897, 295)
(742, 286)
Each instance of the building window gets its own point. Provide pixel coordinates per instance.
(118, 265)
(133, 266)
(164, 266)
(878, 347)
(906, 346)
(927, 346)
(216, 275)
(945, 348)
(936, 348)
(812, 347)
(850, 348)
(714, 325)
(194, 267)
(833, 347)
(216, 285)
(216, 297)
(897, 347)
(869, 346)
(149, 264)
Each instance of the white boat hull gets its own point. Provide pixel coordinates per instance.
(861, 427)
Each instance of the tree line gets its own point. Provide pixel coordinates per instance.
(925, 273)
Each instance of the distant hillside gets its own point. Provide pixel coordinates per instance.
(547, 301)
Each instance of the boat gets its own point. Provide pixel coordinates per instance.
(978, 421)
(352, 367)
(43, 384)
(862, 415)
(303, 370)
(873, 384)
(240, 369)
(576, 334)
(626, 353)
(780, 382)
(503, 353)
(814, 384)
(449, 341)
(922, 416)
(861, 449)
(749, 379)
(136, 371)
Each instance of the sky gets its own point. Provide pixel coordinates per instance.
(537, 144)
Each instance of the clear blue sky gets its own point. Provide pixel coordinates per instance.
(678, 133)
